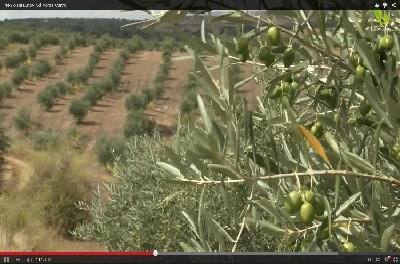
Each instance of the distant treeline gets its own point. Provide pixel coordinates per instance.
(92, 26)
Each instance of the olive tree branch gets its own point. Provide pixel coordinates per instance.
(333, 173)
(336, 221)
(304, 42)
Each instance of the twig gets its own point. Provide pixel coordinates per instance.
(334, 173)
(244, 220)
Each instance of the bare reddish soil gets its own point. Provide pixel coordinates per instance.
(165, 110)
(108, 116)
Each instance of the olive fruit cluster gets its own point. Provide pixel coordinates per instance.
(357, 63)
(286, 89)
(396, 151)
(306, 203)
(266, 53)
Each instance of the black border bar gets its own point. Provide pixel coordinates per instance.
(220, 258)
(196, 4)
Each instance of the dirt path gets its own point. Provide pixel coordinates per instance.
(165, 110)
(59, 117)
(108, 116)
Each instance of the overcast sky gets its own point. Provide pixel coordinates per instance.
(15, 14)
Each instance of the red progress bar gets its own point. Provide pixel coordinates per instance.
(58, 253)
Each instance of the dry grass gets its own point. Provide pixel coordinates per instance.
(39, 216)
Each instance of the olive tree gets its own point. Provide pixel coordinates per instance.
(313, 165)
(79, 108)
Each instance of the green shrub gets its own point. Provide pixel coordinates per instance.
(58, 58)
(92, 95)
(49, 39)
(149, 93)
(189, 102)
(46, 98)
(72, 78)
(79, 108)
(136, 102)
(143, 198)
(15, 37)
(13, 61)
(137, 124)
(20, 75)
(45, 140)
(6, 89)
(62, 88)
(159, 89)
(55, 190)
(22, 120)
(32, 51)
(84, 74)
(109, 149)
(40, 68)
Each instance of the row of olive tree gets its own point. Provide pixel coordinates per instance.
(73, 42)
(136, 122)
(82, 76)
(96, 91)
(48, 96)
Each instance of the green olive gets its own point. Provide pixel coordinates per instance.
(386, 43)
(348, 247)
(294, 86)
(324, 234)
(288, 57)
(306, 213)
(243, 49)
(277, 92)
(364, 108)
(360, 72)
(309, 196)
(274, 36)
(317, 129)
(286, 87)
(293, 202)
(265, 55)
